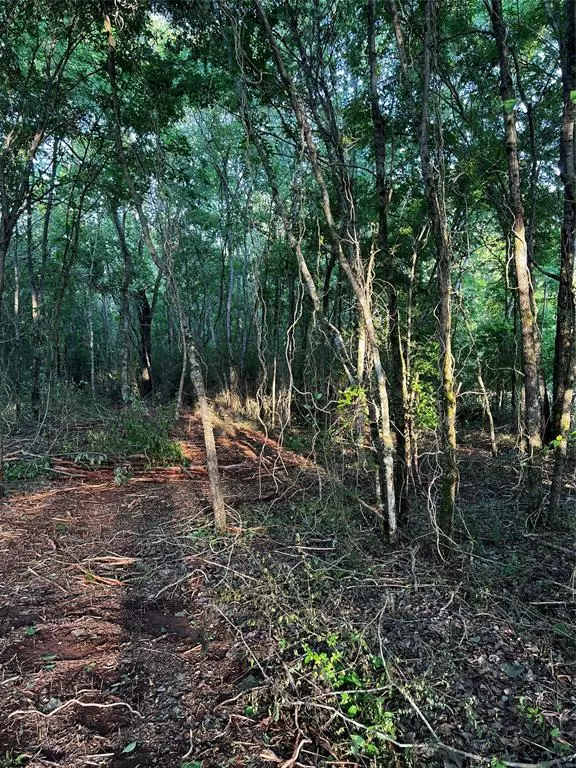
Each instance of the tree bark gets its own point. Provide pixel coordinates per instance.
(433, 177)
(125, 389)
(145, 315)
(356, 280)
(434, 189)
(564, 353)
(398, 371)
(525, 290)
(218, 505)
(17, 339)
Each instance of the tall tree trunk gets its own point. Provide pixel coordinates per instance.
(232, 373)
(125, 389)
(398, 373)
(92, 346)
(17, 339)
(564, 353)
(433, 177)
(35, 392)
(356, 280)
(218, 505)
(525, 291)
(433, 174)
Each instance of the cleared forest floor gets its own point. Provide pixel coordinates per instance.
(131, 636)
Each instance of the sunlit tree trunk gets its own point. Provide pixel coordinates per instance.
(525, 290)
(355, 280)
(398, 372)
(218, 505)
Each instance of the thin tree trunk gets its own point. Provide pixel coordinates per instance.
(565, 356)
(92, 349)
(525, 291)
(232, 375)
(145, 314)
(398, 388)
(35, 393)
(17, 340)
(433, 177)
(434, 189)
(355, 280)
(218, 505)
(125, 389)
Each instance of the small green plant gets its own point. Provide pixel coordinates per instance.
(48, 661)
(358, 678)
(90, 459)
(352, 396)
(195, 764)
(121, 475)
(557, 442)
(552, 733)
(30, 631)
(23, 469)
(11, 759)
(561, 746)
(137, 431)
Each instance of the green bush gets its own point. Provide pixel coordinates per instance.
(137, 431)
(23, 469)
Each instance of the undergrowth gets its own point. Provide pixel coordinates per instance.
(136, 431)
(367, 649)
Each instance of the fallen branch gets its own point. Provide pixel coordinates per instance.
(69, 703)
(442, 747)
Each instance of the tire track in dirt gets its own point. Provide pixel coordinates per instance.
(111, 651)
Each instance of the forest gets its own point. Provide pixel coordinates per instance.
(287, 367)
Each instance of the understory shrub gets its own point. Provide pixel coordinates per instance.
(137, 431)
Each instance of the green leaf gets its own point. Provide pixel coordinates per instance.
(513, 670)
(358, 743)
(129, 748)
(561, 629)
(573, 97)
(509, 105)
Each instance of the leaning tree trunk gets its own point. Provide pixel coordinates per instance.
(218, 505)
(525, 291)
(356, 280)
(565, 357)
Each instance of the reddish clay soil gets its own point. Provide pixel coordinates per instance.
(111, 652)
(131, 637)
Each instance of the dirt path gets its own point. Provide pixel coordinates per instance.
(112, 653)
(131, 636)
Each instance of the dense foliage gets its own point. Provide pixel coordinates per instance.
(317, 200)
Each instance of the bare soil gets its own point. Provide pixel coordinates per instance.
(130, 636)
